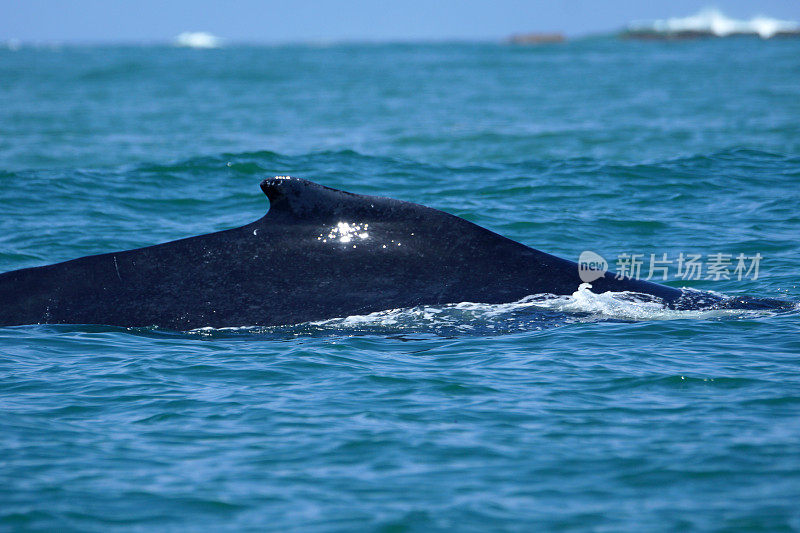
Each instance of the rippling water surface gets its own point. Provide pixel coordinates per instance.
(584, 412)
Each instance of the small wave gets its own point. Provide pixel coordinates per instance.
(368, 168)
(12, 44)
(714, 22)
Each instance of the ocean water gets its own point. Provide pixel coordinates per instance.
(585, 412)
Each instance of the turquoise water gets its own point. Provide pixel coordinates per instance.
(583, 412)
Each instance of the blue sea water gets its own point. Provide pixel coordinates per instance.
(578, 413)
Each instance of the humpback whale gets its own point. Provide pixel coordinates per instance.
(318, 253)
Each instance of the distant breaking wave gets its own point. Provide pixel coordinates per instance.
(198, 39)
(712, 23)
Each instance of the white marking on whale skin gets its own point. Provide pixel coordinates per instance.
(255, 232)
(116, 266)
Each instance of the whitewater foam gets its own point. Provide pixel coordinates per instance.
(532, 313)
(714, 22)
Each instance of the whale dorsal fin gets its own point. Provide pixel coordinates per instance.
(302, 199)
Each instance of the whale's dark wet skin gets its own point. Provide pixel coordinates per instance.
(318, 253)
